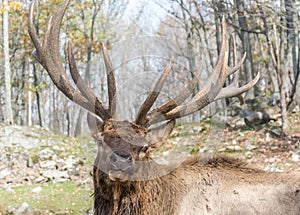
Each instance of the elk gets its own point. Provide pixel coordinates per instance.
(126, 179)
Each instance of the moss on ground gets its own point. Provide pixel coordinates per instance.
(59, 198)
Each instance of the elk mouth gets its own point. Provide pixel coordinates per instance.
(118, 175)
(121, 166)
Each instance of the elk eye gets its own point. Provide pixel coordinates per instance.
(144, 149)
(99, 142)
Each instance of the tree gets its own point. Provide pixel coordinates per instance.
(282, 77)
(246, 44)
(7, 70)
(282, 46)
(292, 45)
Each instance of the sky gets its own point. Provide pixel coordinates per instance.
(152, 13)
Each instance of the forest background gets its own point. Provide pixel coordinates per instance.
(145, 34)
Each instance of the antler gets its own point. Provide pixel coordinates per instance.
(47, 54)
(211, 91)
(141, 117)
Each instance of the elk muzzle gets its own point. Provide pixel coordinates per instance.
(121, 165)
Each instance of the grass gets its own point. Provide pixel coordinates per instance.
(61, 198)
(55, 198)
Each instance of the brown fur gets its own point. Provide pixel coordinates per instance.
(221, 185)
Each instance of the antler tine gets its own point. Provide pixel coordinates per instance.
(50, 48)
(142, 113)
(237, 66)
(210, 90)
(111, 82)
(205, 96)
(100, 110)
(48, 55)
(184, 94)
(179, 98)
(220, 71)
(33, 35)
(233, 90)
(213, 89)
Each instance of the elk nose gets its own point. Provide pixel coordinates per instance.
(121, 160)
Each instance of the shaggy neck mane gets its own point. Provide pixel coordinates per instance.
(135, 197)
(123, 198)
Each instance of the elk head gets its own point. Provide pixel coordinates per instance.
(124, 145)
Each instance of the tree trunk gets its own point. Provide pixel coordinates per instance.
(29, 79)
(1, 111)
(37, 93)
(273, 74)
(291, 31)
(77, 131)
(54, 121)
(245, 38)
(7, 71)
(68, 123)
(292, 46)
(283, 104)
(217, 14)
(281, 76)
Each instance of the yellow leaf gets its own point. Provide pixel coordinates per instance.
(15, 6)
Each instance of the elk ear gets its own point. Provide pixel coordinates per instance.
(157, 136)
(95, 125)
